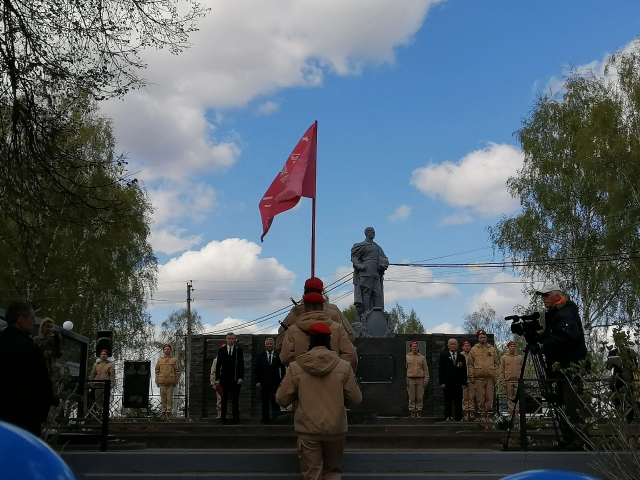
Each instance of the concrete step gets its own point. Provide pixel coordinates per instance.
(283, 464)
(454, 435)
(224, 430)
(492, 440)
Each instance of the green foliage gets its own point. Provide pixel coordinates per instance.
(63, 46)
(350, 313)
(403, 323)
(578, 189)
(55, 57)
(75, 260)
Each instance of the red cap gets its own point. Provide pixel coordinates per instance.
(480, 332)
(413, 343)
(166, 345)
(105, 351)
(319, 328)
(511, 343)
(466, 342)
(315, 283)
(313, 298)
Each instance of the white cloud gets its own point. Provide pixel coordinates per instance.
(401, 213)
(227, 275)
(168, 137)
(172, 200)
(555, 85)
(244, 50)
(171, 240)
(238, 326)
(405, 283)
(457, 219)
(477, 181)
(503, 295)
(445, 327)
(268, 107)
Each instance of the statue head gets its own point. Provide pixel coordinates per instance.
(369, 233)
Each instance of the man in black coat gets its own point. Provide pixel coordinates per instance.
(269, 374)
(229, 374)
(563, 342)
(453, 378)
(27, 392)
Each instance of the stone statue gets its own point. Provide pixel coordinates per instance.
(369, 265)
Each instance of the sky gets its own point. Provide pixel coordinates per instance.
(417, 102)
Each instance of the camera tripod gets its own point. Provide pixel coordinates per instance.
(546, 389)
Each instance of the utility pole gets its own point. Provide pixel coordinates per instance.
(188, 369)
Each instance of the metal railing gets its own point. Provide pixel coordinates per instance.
(76, 415)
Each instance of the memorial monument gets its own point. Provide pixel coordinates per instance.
(369, 265)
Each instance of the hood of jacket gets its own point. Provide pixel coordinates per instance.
(318, 361)
(309, 318)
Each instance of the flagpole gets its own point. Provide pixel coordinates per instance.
(313, 237)
(313, 214)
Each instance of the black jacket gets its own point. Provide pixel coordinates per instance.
(452, 375)
(269, 375)
(230, 368)
(563, 336)
(27, 392)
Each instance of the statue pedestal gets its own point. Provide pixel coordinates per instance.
(376, 323)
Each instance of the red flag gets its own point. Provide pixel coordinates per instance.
(297, 179)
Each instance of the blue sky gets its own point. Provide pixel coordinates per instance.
(417, 102)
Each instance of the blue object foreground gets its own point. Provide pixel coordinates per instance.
(26, 457)
(549, 475)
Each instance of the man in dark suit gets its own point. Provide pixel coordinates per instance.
(453, 378)
(229, 374)
(27, 392)
(269, 374)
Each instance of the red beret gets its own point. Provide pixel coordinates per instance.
(413, 343)
(466, 342)
(480, 332)
(315, 283)
(511, 343)
(319, 328)
(105, 351)
(313, 298)
(166, 345)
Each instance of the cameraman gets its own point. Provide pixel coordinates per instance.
(562, 342)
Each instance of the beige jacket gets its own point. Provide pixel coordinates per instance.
(334, 312)
(296, 341)
(167, 371)
(103, 370)
(510, 366)
(483, 362)
(417, 367)
(212, 375)
(466, 357)
(323, 385)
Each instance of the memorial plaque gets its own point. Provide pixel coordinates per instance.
(376, 368)
(377, 323)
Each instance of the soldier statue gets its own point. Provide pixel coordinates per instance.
(369, 265)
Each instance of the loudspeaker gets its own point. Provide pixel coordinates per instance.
(104, 341)
(135, 392)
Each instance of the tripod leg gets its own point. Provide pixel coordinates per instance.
(520, 401)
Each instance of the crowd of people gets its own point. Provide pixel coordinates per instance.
(310, 368)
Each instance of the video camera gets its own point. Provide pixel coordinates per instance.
(527, 326)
